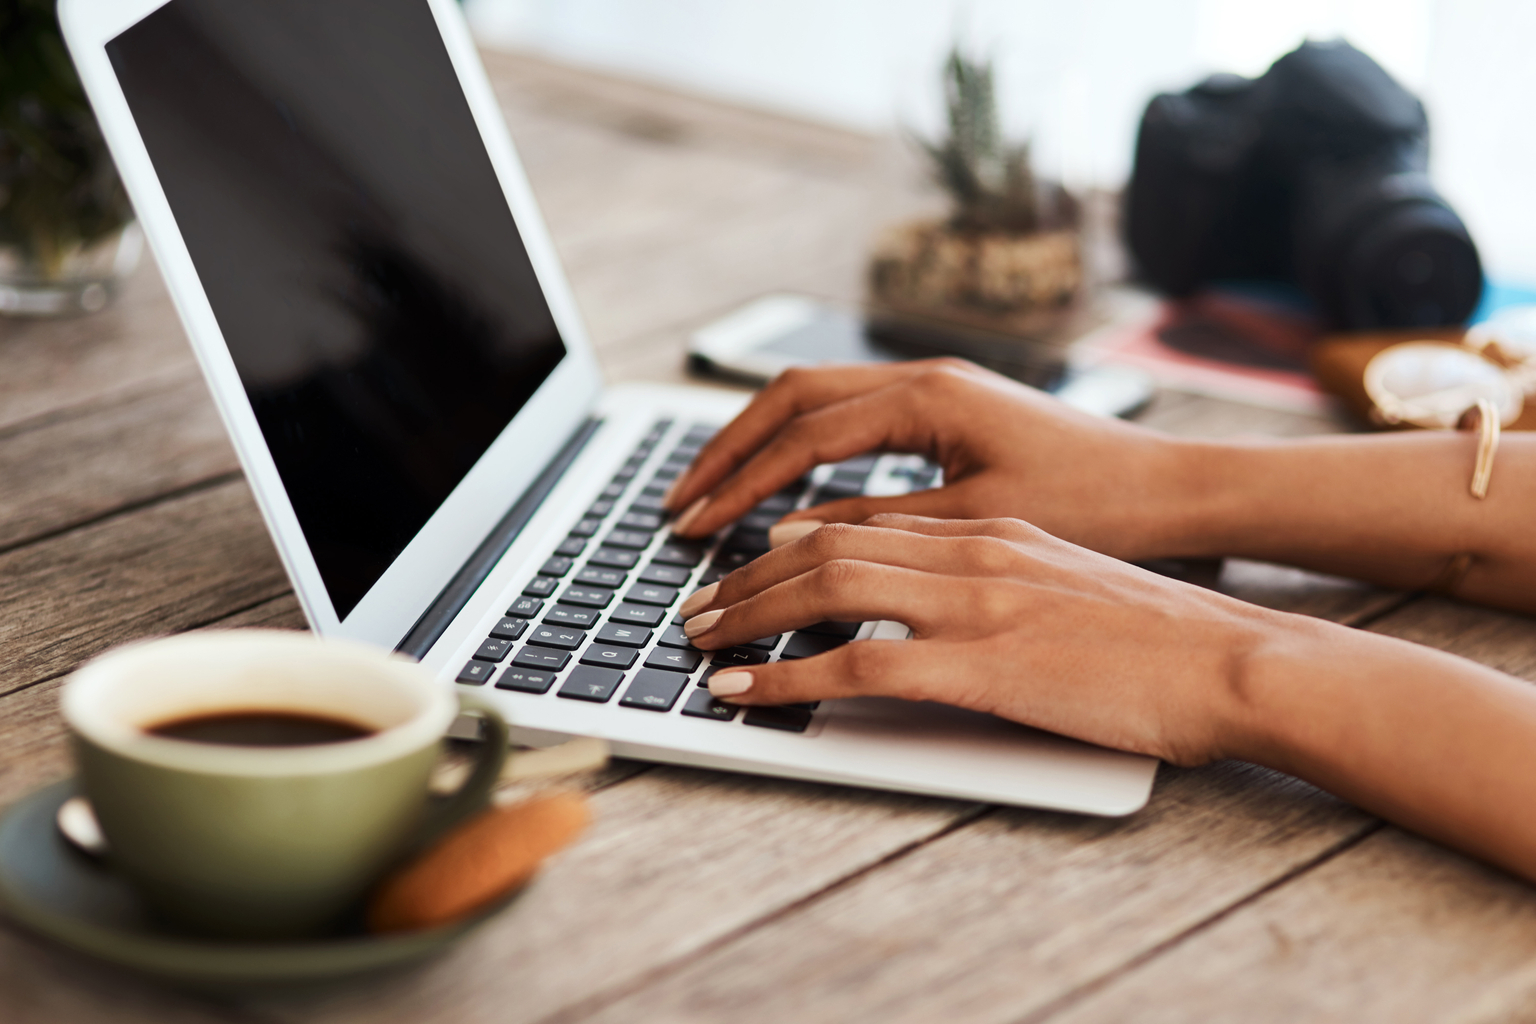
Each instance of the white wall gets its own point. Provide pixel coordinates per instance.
(1075, 74)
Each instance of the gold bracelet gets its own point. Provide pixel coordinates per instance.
(1482, 472)
(1487, 446)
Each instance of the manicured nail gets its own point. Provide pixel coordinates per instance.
(689, 515)
(701, 598)
(730, 684)
(784, 533)
(673, 488)
(701, 624)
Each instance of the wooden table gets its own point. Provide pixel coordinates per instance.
(1237, 894)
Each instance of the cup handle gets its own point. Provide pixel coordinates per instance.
(475, 793)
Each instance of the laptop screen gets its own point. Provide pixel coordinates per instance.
(356, 247)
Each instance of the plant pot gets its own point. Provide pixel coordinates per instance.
(1008, 283)
(80, 279)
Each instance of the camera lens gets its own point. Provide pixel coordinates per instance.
(1413, 266)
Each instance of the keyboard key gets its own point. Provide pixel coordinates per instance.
(624, 636)
(781, 504)
(600, 509)
(558, 565)
(525, 680)
(807, 705)
(729, 561)
(808, 645)
(612, 657)
(542, 658)
(540, 586)
(593, 684)
(759, 522)
(835, 491)
(598, 576)
(767, 643)
(674, 636)
(645, 593)
(571, 547)
(668, 471)
(673, 659)
(846, 630)
(633, 520)
(586, 527)
(614, 489)
(614, 558)
(638, 615)
(638, 540)
(648, 504)
(737, 657)
(679, 553)
(711, 670)
(526, 607)
(653, 691)
(858, 464)
(713, 574)
(493, 650)
(788, 719)
(557, 636)
(570, 615)
(700, 704)
(587, 597)
(665, 575)
(749, 541)
(509, 628)
(848, 477)
(476, 673)
(626, 472)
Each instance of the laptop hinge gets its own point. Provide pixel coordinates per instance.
(435, 620)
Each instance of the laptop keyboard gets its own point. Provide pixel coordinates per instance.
(598, 621)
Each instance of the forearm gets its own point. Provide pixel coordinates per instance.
(1435, 743)
(1391, 509)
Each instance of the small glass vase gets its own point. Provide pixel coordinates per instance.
(83, 279)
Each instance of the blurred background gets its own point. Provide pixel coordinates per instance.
(1074, 77)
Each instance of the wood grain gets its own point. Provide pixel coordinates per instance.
(999, 918)
(175, 565)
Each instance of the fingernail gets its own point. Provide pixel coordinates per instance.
(673, 488)
(730, 684)
(783, 533)
(701, 624)
(686, 519)
(701, 598)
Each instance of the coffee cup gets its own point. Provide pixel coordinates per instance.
(254, 783)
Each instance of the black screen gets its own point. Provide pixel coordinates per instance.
(324, 169)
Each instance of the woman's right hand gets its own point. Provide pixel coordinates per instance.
(1006, 450)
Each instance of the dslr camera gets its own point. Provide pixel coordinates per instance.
(1314, 173)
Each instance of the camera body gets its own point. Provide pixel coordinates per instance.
(1315, 173)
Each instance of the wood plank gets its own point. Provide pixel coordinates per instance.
(123, 450)
(1397, 928)
(169, 567)
(59, 364)
(676, 862)
(996, 919)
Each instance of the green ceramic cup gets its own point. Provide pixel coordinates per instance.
(264, 842)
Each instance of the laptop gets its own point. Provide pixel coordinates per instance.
(357, 258)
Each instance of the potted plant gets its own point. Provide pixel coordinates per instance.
(1006, 260)
(66, 228)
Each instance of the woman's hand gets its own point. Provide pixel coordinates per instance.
(1006, 450)
(1006, 619)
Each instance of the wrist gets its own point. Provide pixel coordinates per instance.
(1200, 498)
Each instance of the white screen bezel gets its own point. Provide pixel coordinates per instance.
(514, 459)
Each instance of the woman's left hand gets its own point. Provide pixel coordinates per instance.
(1006, 619)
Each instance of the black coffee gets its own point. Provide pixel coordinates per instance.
(261, 729)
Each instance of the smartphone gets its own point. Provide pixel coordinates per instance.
(760, 340)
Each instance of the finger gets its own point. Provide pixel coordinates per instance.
(951, 502)
(865, 668)
(846, 590)
(795, 391)
(883, 419)
(969, 554)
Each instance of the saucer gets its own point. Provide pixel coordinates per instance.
(53, 890)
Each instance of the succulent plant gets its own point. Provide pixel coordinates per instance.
(58, 187)
(990, 179)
